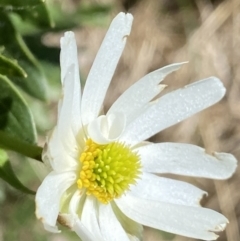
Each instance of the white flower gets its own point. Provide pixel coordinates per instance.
(101, 183)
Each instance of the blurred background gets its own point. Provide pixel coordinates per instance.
(204, 32)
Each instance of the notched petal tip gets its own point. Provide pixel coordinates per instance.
(125, 20)
(217, 229)
(221, 227)
(68, 37)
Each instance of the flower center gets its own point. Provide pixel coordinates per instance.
(108, 170)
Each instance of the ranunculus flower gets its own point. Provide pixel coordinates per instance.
(102, 182)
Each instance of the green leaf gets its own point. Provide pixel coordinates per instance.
(8, 175)
(38, 15)
(15, 116)
(14, 144)
(20, 3)
(34, 10)
(84, 14)
(10, 67)
(35, 83)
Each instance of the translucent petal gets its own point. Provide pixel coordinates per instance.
(58, 156)
(74, 203)
(110, 227)
(49, 195)
(151, 187)
(143, 91)
(105, 129)
(61, 148)
(83, 232)
(89, 217)
(76, 224)
(131, 227)
(68, 115)
(173, 108)
(68, 58)
(186, 159)
(104, 66)
(194, 222)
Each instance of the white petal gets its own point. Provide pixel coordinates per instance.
(49, 195)
(142, 91)
(105, 129)
(110, 227)
(51, 229)
(133, 238)
(186, 159)
(68, 58)
(104, 66)
(194, 222)
(173, 108)
(61, 148)
(58, 156)
(162, 189)
(68, 113)
(83, 232)
(89, 217)
(131, 227)
(77, 225)
(74, 203)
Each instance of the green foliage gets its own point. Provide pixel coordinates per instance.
(8, 175)
(25, 80)
(85, 14)
(35, 83)
(19, 3)
(10, 67)
(15, 117)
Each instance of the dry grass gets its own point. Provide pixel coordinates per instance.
(208, 36)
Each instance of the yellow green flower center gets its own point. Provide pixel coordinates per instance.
(108, 170)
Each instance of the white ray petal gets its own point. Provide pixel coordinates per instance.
(110, 227)
(51, 229)
(62, 145)
(89, 217)
(186, 159)
(194, 222)
(131, 227)
(58, 156)
(67, 116)
(49, 195)
(104, 66)
(143, 91)
(133, 238)
(68, 58)
(173, 108)
(74, 203)
(106, 129)
(82, 231)
(151, 187)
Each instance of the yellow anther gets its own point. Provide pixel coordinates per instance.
(79, 183)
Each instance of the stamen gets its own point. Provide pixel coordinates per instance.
(108, 170)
